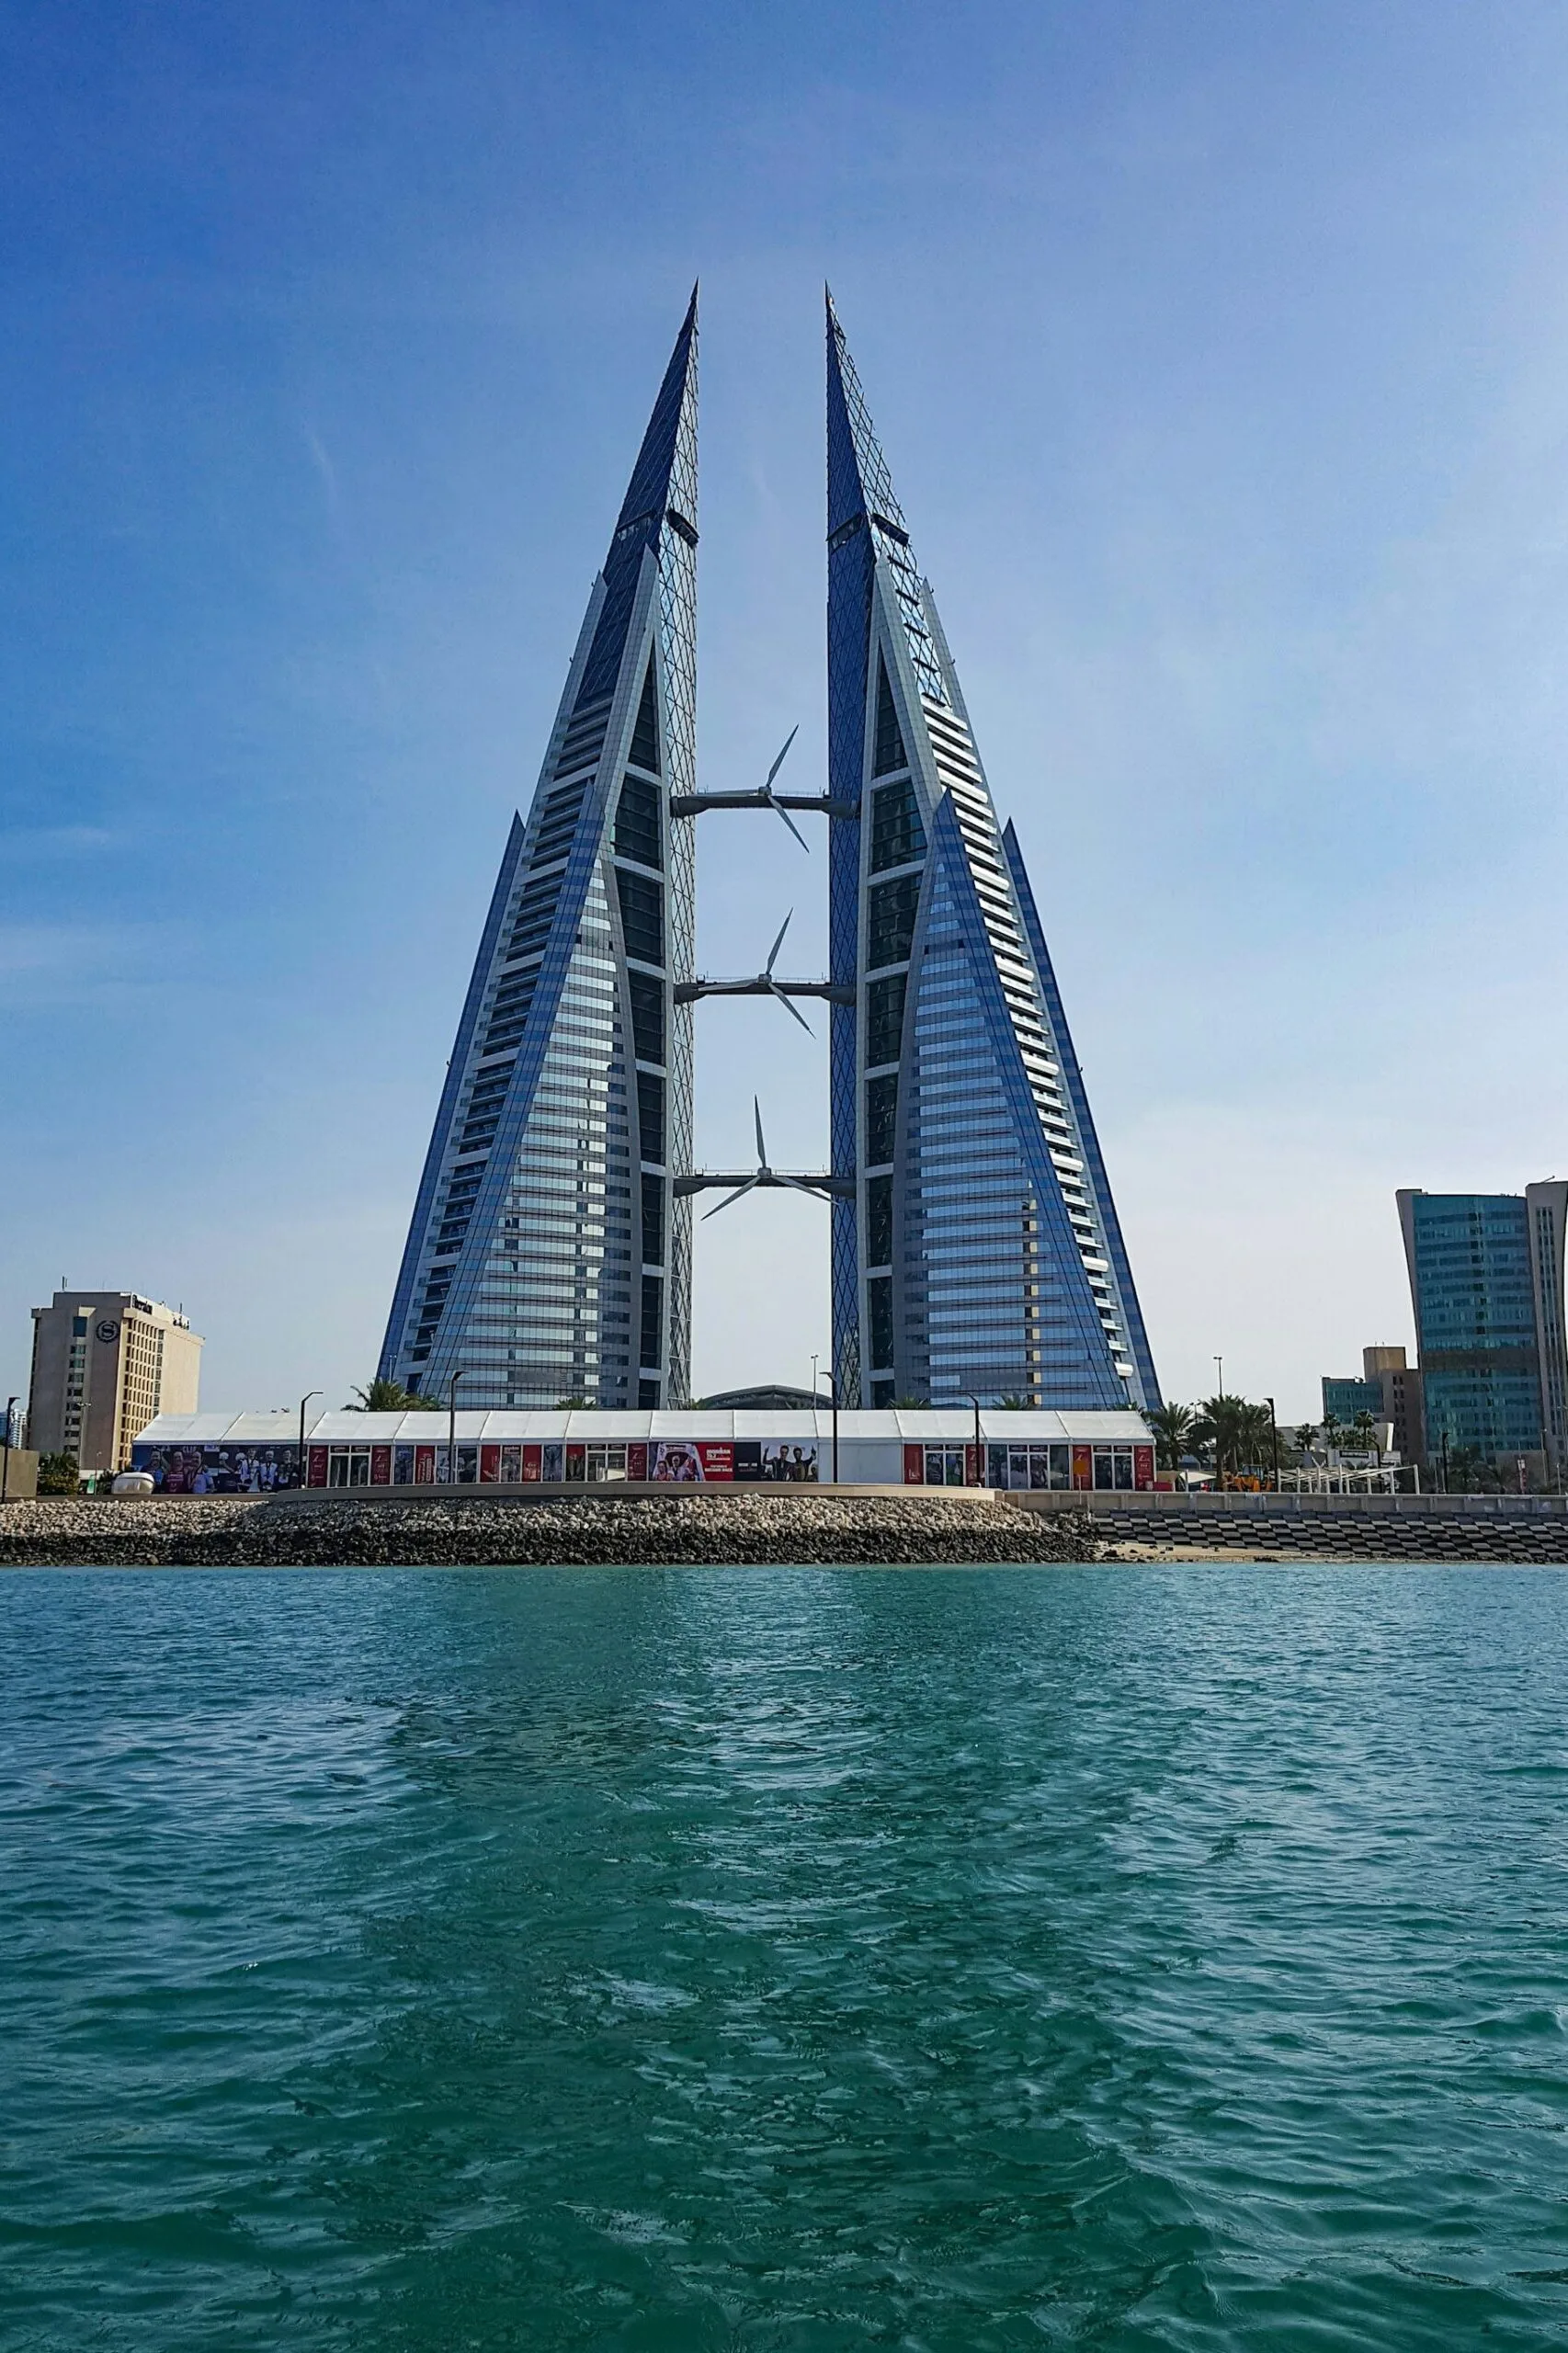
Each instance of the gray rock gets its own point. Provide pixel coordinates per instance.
(243, 1531)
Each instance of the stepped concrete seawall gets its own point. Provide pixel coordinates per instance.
(603, 1530)
(1488, 1529)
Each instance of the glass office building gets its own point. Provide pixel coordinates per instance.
(1486, 1281)
(976, 1249)
(549, 1254)
(1343, 1398)
(1470, 1284)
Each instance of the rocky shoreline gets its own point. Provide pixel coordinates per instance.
(243, 1531)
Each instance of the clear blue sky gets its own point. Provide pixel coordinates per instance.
(1218, 355)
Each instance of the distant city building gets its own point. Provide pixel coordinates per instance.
(106, 1362)
(767, 1397)
(1486, 1280)
(1546, 1213)
(976, 1247)
(1402, 1406)
(1344, 1395)
(1390, 1389)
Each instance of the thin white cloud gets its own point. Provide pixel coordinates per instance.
(75, 963)
(29, 842)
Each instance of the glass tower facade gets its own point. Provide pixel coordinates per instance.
(976, 1249)
(549, 1254)
(1479, 1325)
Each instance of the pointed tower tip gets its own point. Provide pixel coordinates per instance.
(857, 470)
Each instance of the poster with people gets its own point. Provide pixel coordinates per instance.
(218, 1470)
(677, 1462)
(692, 1461)
(760, 1459)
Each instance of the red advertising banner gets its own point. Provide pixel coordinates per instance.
(1082, 1467)
(489, 1465)
(381, 1466)
(318, 1467)
(914, 1466)
(973, 1470)
(424, 1466)
(531, 1462)
(1143, 1468)
(637, 1462)
(718, 1461)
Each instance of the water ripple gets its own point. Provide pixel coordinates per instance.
(786, 1960)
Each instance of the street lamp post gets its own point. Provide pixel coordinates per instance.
(452, 1427)
(832, 1380)
(5, 1462)
(978, 1446)
(1274, 1434)
(303, 1403)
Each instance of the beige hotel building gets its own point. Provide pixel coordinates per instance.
(105, 1364)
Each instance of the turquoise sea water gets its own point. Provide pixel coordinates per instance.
(784, 1959)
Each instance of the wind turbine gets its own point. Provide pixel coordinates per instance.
(771, 802)
(773, 987)
(764, 1175)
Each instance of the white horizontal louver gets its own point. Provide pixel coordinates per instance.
(959, 773)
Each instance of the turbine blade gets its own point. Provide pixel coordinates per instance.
(779, 761)
(777, 943)
(749, 1187)
(798, 1185)
(761, 1147)
(790, 823)
(791, 1006)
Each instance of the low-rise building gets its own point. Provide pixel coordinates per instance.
(1347, 1394)
(1387, 1388)
(104, 1364)
(259, 1453)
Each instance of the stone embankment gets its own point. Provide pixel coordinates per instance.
(239, 1531)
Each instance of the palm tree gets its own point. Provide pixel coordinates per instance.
(1171, 1427)
(382, 1396)
(1306, 1438)
(1241, 1435)
(1221, 1423)
(1472, 1474)
(1254, 1438)
(1364, 1432)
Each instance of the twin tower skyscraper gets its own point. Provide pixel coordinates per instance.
(976, 1246)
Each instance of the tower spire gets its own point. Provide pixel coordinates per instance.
(661, 497)
(976, 1246)
(549, 1252)
(857, 477)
